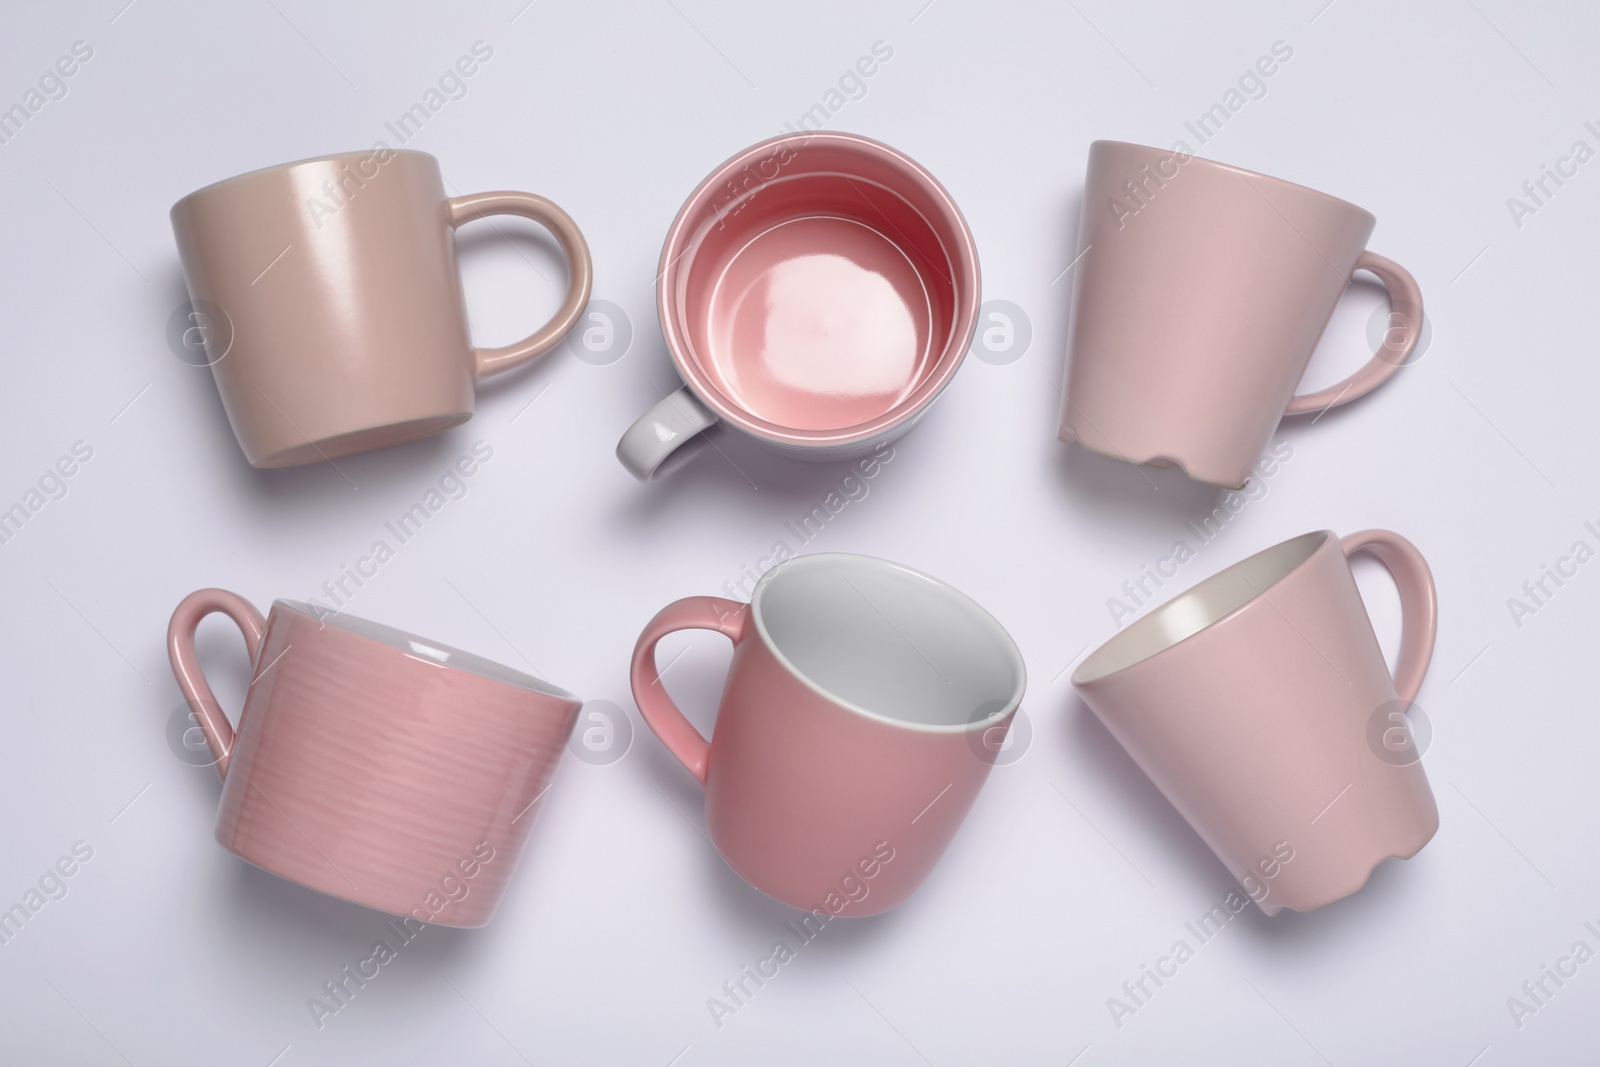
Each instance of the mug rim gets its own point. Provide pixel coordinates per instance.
(1242, 171)
(965, 269)
(1006, 642)
(1322, 539)
(427, 650)
(293, 164)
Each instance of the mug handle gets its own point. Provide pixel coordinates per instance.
(463, 209)
(186, 662)
(667, 436)
(1419, 603)
(1405, 302)
(676, 732)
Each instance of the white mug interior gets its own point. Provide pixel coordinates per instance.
(1204, 605)
(426, 650)
(889, 642)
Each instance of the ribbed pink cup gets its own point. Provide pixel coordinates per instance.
(372, 765)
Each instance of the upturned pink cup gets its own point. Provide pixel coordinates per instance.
(1259, 702)
(1199, 299)
(817, 292)
(372, 765)
(862, 712)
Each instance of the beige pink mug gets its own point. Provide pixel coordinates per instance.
(863, 709)
(1199, 299)
(330, 303)
(373, 765)
(1249, 700)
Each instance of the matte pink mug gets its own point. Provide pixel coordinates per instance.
(1201, 294)
(1259, 702)
(327, 295)
(372, 765)
(817, 292)
(862, 712)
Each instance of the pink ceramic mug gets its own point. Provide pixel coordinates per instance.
(372, 765)
(817, 292)
(328, 299)
(1201, 294)
(1260, 704)
(862, 712)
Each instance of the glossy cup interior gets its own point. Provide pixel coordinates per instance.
(1207, 603)
(818, 287)
(889, 642)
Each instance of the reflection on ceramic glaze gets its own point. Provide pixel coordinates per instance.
(820, 323)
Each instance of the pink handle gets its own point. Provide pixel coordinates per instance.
(1405, 301)
(186, 662)
(676, 732)
(1419, 603)
(463, 209)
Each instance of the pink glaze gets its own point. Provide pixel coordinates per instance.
(818, 289)
(371, 765)
(817, 323)
(862, 713)
(1259, 702)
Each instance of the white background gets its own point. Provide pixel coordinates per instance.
(1072, 872)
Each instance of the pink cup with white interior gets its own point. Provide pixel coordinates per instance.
(817, 292)
(864, 707)
(1260, 703)
(373, 765)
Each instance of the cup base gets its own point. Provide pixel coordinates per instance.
(368, 439)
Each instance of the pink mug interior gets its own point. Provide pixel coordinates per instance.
(818, 288)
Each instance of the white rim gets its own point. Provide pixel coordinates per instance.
(427, 651)
(1200, 607)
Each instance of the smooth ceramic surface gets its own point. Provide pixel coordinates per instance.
(330, 302)
(817, 292)
(1259, 702)
(1199, 299)
(372, 765)
(862, 712)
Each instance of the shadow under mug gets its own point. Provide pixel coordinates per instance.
(1259, 702)
(372, 765)
(863, 709)
(329, 301)
(817, 292)
(1201, 295)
